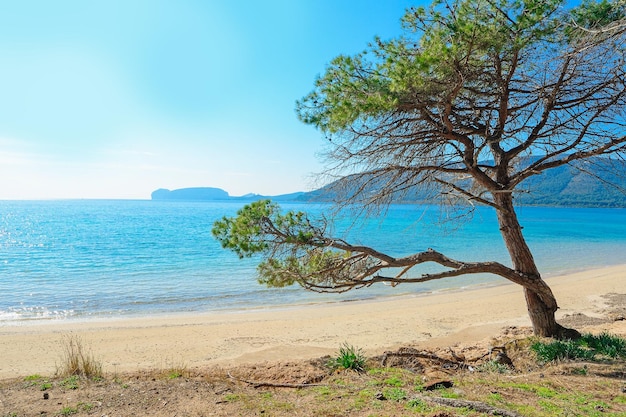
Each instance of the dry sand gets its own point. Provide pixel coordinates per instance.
(439, 319)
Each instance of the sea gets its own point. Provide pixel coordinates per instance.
(107, 259)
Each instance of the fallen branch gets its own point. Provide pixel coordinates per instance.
(423, 355)
(258, 384)
(472, 405)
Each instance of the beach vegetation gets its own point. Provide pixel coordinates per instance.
(349, 357)
(494, 367)
(418, 405)
(68, 411)
(474, 99)
(36, 379)
(394, 381)
(232, 397)
(175, 369)
(532, 389)
(620, 399)
(77, 359)
(363, 399)
(394, 394)
(71, 382)
(587, 347)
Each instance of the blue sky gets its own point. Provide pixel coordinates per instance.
(114, 99)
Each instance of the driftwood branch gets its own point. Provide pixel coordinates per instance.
(472, 405)
(259, 384)
(423, 355)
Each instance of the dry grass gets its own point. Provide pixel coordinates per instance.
(78, 360)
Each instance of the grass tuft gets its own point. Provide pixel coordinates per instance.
(174, 370)
(348, 357)
(493, 367)
(76, 360)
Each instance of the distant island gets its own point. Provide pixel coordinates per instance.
(565, 186)
(215, 194)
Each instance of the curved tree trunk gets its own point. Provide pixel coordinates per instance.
(540, 301)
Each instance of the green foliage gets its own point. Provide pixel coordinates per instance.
(394, 381)
(243, 234)
(86, 406)
(418, 405)
(313, 264)
(259, 227)
(595, 14)
(439, 47)
(70, 382)
(294, 248)
(349, 357)
(175, 369)
(588, 347)
(394, 394)
(605, 344)
(232, 397)
(68, 411)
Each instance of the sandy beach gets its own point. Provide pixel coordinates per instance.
(194, 341)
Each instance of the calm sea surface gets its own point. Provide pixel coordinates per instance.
(81, 259)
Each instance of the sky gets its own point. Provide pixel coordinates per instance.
(115, 99)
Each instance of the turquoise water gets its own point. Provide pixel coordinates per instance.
(82, 259)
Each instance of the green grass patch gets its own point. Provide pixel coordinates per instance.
(394, 381)
(394, 394)
(68, 411)
(70, 382)
(620, 399)
(588, 347)
(418, 406)
(232, 397)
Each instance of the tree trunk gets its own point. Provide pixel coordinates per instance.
(540, 301)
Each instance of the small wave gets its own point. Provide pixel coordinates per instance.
(34, 313)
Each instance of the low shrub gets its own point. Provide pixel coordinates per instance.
(349, 357)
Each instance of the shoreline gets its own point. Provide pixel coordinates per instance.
(440, 318)
(496, 282)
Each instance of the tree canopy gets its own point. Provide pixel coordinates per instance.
(470, 88)
(454, 107)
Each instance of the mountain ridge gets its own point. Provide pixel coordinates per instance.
(596, 183)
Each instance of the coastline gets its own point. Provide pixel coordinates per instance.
(442, 318)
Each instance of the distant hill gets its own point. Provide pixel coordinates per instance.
(214, 194)
(596, 182)
(573, 185)
(567, 186)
